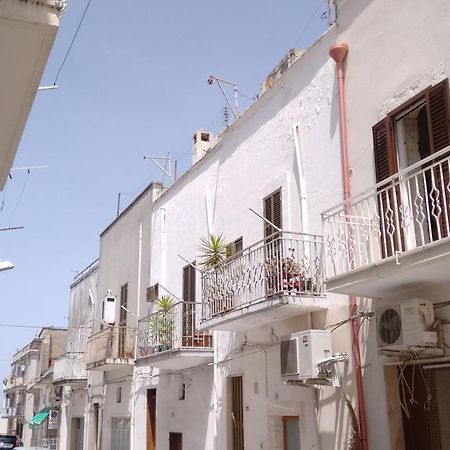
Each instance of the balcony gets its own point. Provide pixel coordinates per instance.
(16, 411)
(110, 348)
(171, 339)
(70, 369)
(271, 280)
(393, 238)
(14, 382)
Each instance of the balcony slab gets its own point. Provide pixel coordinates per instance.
(264, 312)
(415, 269)
(178, 359)
(110, 364)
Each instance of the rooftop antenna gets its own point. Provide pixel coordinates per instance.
(167, 169)
(28, 169)
(219, 81)
(47, 88)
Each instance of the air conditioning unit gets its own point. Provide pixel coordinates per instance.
(406, 325)
(301, 352)
(109, 309)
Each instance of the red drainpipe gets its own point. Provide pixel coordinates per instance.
(338, 53)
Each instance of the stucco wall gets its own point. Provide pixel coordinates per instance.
(253, 158)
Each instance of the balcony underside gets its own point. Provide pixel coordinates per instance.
(178, 359)
(412, 270)
(264, 312)
(27, 33)
(107, 365)
(70, 381)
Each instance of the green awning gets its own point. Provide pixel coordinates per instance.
(39, 417)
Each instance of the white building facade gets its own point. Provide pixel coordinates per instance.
(185, 356)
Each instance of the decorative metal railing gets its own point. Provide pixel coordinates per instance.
(12, 411)
(174, 328)
(110, 343)
(49, 443)
(70, 366)
(284, 264)
(406, 211)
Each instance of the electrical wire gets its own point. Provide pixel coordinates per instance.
(20, 197)
(72, 42)
(305, 28)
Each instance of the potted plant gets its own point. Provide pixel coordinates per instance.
(162, 324)
(213, 252)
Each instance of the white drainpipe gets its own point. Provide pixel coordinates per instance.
(303, 199)
(133, 393)
(302, 183)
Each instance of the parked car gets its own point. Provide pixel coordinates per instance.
(9, 441)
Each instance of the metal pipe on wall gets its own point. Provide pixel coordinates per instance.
(338, 52)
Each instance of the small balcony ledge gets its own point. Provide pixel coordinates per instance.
(274, 279)
(110, 348)
(395, 237)
(170, 339)
(70, 369)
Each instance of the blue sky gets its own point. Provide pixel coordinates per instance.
(133, 85)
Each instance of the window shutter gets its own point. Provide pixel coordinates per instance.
(192, 283)
(384, 154)
(268, 215)
(438, 116)
(272, 212)
(186, 283)
(189, 283)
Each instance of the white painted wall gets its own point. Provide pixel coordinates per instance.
(387, 64)
(253, 158)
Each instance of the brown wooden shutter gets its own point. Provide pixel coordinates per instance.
(438, 116)
(384, 150)
(272, 212)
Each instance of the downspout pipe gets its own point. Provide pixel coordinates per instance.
(338, 52)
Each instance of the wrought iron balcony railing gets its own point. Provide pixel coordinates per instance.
(110, 344)
(285, 264)
(406, 211)
(174, 328)
(70, 366)
(51, 443)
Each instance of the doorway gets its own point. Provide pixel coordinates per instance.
(237, 413)
(175, 441)
(151, 419)
(77, 433)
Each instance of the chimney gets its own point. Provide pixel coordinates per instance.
(201, 143)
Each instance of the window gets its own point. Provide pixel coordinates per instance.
(119, 394)
(123, 305)
(182, 394)
(413, 131)
(273, 213)
(189, 319)
(153, 293)
(417, 203)
(235, 247)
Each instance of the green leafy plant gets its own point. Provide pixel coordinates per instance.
(213, 251)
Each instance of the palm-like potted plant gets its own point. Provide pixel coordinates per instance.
(162, 324)
(213, 251)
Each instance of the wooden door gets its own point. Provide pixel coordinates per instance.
(151, 419)
(237, 413)
(175, 441)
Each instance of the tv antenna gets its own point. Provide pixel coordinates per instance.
(219, 81)
(167, 169)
